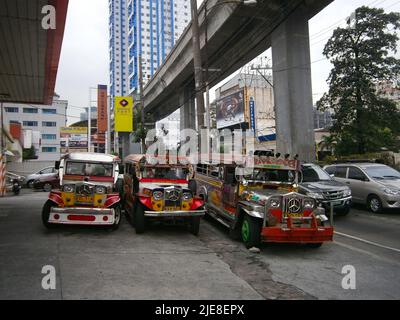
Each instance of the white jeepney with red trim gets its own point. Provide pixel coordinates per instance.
(88, 192)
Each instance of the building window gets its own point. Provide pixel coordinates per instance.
(49, 124)
(49, 136)
(49, 149)
(12, 109)
(49, 111)
(30, 110)
(30, 123)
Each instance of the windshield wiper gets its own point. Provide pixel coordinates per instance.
(395, 177)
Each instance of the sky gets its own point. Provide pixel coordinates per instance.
(84, 55)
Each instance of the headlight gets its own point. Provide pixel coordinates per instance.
(275, 203)
(347, 193)
(392, 192)
(186, 196)
(69, 188)
(309, 203)
(315, 195)
(100, 190)
(158, 195)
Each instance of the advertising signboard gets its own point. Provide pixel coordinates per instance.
(74, 139)
(230, 110)
(123, 114)
(252, 106)
(102, 109)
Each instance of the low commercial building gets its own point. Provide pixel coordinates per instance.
(44, 121)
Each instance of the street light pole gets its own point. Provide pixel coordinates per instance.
(141, 101)
(198, 69)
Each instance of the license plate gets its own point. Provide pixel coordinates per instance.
(170, 208)
(296, 215)
(336, 203)
(84, 199)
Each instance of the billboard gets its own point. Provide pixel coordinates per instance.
(123, 114)
(102, 118)
(230, 110)
(73, 139)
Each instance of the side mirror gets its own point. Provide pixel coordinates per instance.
(332, 175)
(57, 165)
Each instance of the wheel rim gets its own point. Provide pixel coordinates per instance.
(375, 204)
(245, 231)
(47, 187)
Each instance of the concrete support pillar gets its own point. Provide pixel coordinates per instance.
(292, 87)
(188, 110)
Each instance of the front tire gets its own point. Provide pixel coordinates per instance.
(139, 219)
(251, 231)
(117, 217)
(47, 187)
(46, 214)
(343, 212)
(374, 204)
(194, 225)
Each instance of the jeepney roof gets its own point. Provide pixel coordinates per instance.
(90, 156)
(259, 162)
(136, 158)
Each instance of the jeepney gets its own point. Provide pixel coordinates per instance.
(88, 194)
(160, 192)
(262, 204)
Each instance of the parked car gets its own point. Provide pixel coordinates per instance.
(376, 185)
(46, 172)
(318, 184)
(47, 182)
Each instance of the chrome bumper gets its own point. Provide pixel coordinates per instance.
(174, 214)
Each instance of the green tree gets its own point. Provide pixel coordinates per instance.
(29, 154)
(362, 55)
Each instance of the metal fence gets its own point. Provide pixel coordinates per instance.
(28, 167)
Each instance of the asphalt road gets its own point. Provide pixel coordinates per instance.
(169, 263)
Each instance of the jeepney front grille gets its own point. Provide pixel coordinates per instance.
(173, 197)
(293, 205)
(333, 195)
(84, 190)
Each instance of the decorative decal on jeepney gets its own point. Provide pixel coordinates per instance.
(276, 163)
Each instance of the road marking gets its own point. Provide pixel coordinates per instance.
(367, 241)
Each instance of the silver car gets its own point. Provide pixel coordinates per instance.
(376, 185)
(49, 171)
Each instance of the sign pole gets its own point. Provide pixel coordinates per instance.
(2, 157)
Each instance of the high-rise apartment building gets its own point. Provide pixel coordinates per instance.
(141, 28)
(146, 28)
(153, 28)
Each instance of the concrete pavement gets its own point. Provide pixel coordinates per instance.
(169, 263)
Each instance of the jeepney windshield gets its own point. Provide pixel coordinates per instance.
(165, 173)
(89, 169)
(271, 175)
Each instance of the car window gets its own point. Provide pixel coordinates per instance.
(314, 174)
(383, 173)
(341, 172)
(47, 170)
(330, 170)
(356, 174)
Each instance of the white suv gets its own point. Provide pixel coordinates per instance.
(376, 185)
